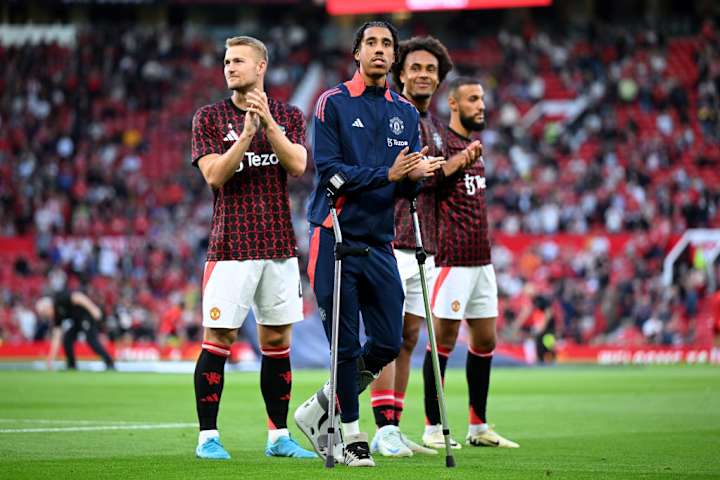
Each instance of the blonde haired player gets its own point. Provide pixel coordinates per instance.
(245, 147)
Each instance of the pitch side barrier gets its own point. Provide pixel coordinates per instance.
(151, 357)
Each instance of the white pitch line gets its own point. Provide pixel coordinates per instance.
(98, 428)
(68, 422)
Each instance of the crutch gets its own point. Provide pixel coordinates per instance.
(341, 251)
(421, 256)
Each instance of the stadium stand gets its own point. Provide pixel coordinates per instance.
(602, 148)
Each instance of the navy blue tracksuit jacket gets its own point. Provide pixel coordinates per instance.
(359, 131)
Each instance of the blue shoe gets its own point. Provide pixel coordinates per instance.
(213, 449)
(287, 447)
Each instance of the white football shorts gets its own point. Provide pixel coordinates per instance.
(410, 276)
(271, 288)
(465, 292)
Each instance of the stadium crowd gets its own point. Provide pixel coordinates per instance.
(640, 158)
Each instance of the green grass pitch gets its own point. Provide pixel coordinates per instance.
(571, 422)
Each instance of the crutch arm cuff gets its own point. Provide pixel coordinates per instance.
(342, 251)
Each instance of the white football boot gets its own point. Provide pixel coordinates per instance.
(388, 443)
(484, 436)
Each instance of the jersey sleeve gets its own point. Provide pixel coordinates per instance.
(415, 145)
(328, 155)
(295, 130)
(206, 138)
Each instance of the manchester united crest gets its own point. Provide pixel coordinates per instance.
(214, 313)
(455, 306)
(396, 125)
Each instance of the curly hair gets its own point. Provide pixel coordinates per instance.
(429, 44)
(376, 23)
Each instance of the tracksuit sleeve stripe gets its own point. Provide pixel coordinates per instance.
(320, 110)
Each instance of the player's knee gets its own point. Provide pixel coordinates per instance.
(388, 354)
(484, 345)
(274, 337)
(274, 343)
(447, 338)
(410, 339)
(445, 347)
(393, 352)
(223, 336)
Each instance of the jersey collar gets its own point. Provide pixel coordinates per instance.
(459, 135)
(356, 86)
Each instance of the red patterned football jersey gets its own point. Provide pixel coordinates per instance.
(251, 211)
(432, 134)
(463, 239)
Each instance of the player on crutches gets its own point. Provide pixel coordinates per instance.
(341, 251)
(370, 135)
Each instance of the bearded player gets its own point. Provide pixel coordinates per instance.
(246, 146)
(465, 287)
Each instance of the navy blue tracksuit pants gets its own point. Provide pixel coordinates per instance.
(370, 285)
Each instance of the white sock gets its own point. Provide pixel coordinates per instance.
(273, 435)
(351, 428)
(478, 429)
(431, 429)
(207, 434)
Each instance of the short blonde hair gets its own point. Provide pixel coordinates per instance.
(251, 42)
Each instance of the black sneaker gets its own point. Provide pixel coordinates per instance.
(357, 451)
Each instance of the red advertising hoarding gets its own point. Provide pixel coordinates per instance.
(345, 7)
(567, 352)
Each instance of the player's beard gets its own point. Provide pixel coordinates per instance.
(471, 125)
(244, 87)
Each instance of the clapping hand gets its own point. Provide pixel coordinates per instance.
(257, 103)
(471, 153)
(426, 168)
(405, 163)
